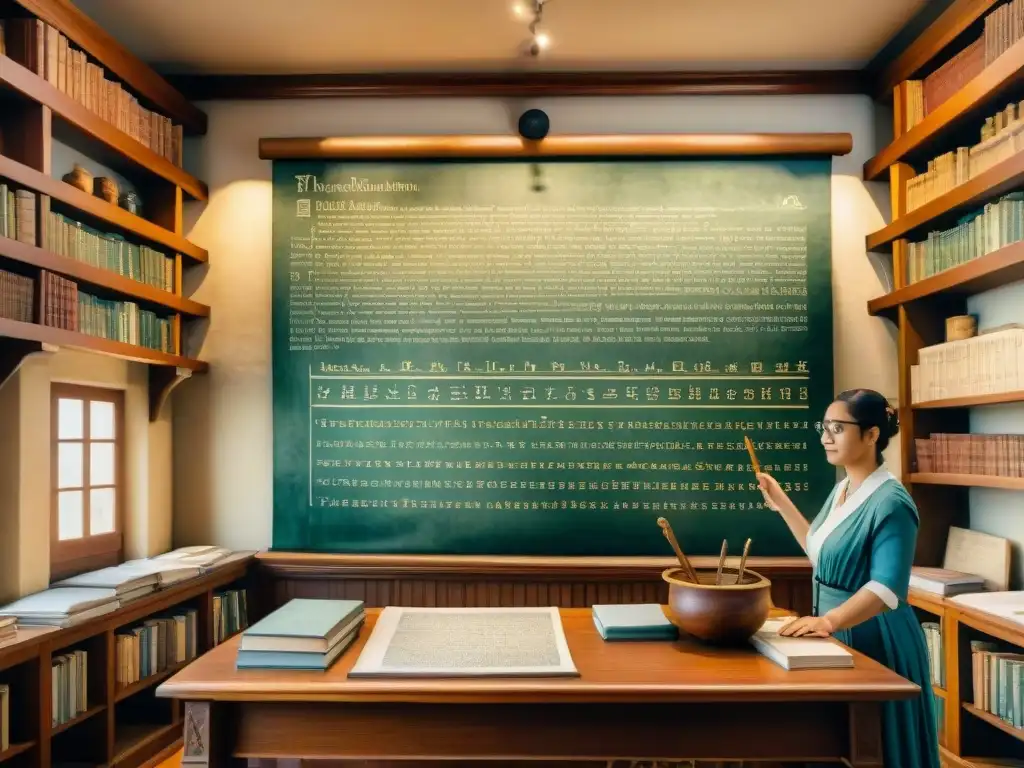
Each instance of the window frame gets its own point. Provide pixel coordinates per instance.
(91, 551)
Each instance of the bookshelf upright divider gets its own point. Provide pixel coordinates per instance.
(91, 268)
(970, 72)
(122, 724)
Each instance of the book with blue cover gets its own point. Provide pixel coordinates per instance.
(303, 626)
(636, 621)
(300, 659)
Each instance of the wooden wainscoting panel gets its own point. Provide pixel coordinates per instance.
(457, 581)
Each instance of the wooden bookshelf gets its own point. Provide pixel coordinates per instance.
(926, 601)
(974, 401)
(57, 337)
(34, 113)
(97, 277)
(16, 749)
(80, 128)
(138, 742)
(994, 721)
(127, 691)
(920, 309)
(968, 481)
(993, 270)
(979, 97)
(944, 210)
(159, 94)
(77, 720)
(126, 744)
(957, 18)
(87, 206)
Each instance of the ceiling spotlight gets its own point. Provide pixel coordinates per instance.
(539, 40)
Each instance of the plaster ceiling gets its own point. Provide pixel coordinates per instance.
(325, 36)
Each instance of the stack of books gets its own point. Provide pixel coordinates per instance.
(799, 652)
(943, 581)
(643, 621)
(126, 583)
(62, 606)
(8, 628)
(301, 634)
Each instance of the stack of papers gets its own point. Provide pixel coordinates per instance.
(8, 627)
(644, 621)
(799, 652)
(62, 606)
(1006, 605)
(166, 572)
(203, 556)
(127, 583)
(301, 634)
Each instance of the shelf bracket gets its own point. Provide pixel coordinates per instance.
(162, 381)
(13, 353)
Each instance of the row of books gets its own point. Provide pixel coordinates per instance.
(124, 321)
(156, 645)
(66, 237)
(996, 677)
(69, 688)
(1002, 138)
(80, 598)
(990, 363)
(17, 214)
(63, 305)
(971, 454)
(997, 225)
(933, 642)
(43, 49)
(230, 614)
(17, 297)
(1002, 28)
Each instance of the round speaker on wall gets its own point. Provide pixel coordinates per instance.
(534, 124)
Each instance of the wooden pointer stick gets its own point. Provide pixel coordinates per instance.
(743, 562)
(721, 561)
(753, 458)
(687, 568)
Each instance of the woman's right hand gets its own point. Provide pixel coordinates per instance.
(774, 496)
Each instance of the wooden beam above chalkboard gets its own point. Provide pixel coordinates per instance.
(596, 145)
(519, 84)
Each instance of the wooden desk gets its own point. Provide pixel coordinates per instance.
(632, 700)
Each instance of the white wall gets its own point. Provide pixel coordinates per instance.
(25, 481)
(222, 421)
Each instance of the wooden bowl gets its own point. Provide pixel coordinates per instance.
(727, 614)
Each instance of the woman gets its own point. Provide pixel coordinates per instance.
(861, 546)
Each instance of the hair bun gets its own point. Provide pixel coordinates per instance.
(894, 420)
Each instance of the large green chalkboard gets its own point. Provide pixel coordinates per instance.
(502, 357)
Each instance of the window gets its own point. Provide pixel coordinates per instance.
(87, 431)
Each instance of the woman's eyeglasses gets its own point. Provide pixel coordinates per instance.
(834, 427)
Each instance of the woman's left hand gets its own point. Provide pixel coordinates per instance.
(808, 626)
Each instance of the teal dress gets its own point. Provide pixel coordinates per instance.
(869, 541)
